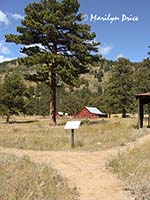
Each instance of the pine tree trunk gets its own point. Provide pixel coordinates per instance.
(53, 98)
(7, 119)
(123, 113)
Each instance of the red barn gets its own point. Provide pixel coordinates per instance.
(91, 112)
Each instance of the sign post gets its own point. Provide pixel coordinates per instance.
(72, 138)
(148, 126)
(72, 125)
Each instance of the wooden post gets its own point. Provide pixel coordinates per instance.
(140, 113)
(72, 138)
(148, 126)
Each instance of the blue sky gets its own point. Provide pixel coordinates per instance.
(122, 26)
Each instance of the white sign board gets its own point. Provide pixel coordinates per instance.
(72, 125)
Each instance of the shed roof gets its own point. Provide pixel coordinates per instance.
(94, 110)
(144, 97)
(60, 113)
(147, 94)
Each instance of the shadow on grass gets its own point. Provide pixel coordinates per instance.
(20, 122)
(24, 122)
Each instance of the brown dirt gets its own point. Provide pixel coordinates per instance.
(84, 170)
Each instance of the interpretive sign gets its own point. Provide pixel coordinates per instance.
(72, 125)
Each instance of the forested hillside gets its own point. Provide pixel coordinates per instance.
(109, 85)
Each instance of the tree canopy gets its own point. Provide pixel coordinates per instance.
(12, 96)
(55, 40)
(119, 91)
(142, 76)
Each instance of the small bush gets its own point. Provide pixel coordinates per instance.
(85, 121)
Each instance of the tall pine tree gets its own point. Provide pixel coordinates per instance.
(13, 98)
(142, 76)
(119, 92)
(59, 44)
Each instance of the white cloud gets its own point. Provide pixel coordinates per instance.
(34, 45)
(4, 49)
(105, 50)
(3, 58)
(3, 18)
(17, 16)
(120, 55)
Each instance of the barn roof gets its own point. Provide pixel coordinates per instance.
(94, 110)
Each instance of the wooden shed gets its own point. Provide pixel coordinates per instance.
(143, 98)
(91, 112)
(61, 114)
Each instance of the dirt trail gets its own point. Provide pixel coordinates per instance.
(85, 170)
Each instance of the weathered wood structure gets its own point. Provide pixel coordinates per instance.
(143, 98)
(61, 114)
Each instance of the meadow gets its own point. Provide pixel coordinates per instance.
(35, 133)
(21, 178)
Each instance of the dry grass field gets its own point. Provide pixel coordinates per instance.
(133, 167)
(22, 179)
(36, 134)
